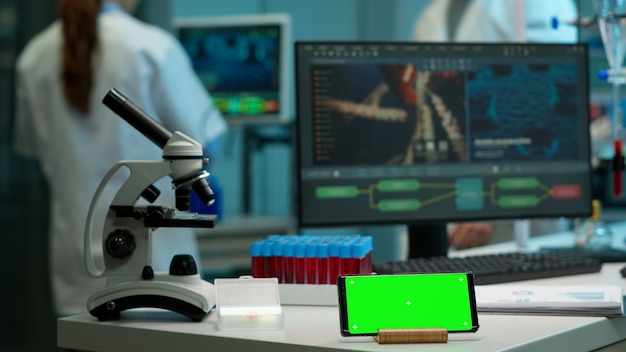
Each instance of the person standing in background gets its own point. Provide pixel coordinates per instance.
(496, 21)
(61, 77)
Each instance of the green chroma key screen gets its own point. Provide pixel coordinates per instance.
(373, 302)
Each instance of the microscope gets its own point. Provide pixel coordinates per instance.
(127, 234)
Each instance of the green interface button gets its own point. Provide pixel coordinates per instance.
(253, 105)
(398, 185)
(518, 201)
(399, 205)
(518, 183)
(336, 192)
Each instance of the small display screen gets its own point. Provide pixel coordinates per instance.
(372, 302)
(241, 65)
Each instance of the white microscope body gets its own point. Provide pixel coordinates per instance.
(127, 233)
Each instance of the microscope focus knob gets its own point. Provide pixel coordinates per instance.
(183, 264)
(120, 243)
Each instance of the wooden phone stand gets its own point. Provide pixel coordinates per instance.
(389, 336)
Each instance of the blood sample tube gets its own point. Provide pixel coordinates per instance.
(277, 265)
(348, 263)
(288, 261)
(257, 269)
(361, 251)
(312, 261)
(266, 253)
(323, 274)
(299, 261)
(334, 262)
(368, 267)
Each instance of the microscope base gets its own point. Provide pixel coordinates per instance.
(193, 298)
(104, 313)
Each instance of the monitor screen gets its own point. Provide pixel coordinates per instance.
(242, 61)
(415, 133)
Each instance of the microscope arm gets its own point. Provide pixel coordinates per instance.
(142, 175)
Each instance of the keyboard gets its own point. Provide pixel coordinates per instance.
(499, 268)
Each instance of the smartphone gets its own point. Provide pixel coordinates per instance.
(368, 303)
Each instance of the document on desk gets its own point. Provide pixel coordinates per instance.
(580, 300)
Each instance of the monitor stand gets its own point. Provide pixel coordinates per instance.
(428, 240)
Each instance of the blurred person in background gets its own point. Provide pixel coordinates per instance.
(62, 76)
(497, 21)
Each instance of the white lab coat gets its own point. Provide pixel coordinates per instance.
(498, 20)
(147, 65)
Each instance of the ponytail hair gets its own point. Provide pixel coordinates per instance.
(80, 40)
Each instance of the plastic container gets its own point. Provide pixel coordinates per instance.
(248, 303)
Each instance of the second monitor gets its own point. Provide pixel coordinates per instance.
(243, 62)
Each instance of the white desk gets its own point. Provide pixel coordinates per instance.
(317, 328)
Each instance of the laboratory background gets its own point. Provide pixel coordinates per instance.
(253, 171)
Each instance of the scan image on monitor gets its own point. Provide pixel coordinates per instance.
(360, 115)
(418, 133)
(524, 112)
(242, 61)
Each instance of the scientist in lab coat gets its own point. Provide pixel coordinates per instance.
(61, 77)
(496, 21)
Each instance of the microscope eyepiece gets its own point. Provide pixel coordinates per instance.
(137, 118)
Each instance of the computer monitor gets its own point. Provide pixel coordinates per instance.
(243, 63)
(423, 133)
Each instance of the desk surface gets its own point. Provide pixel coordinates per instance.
(317, 328)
